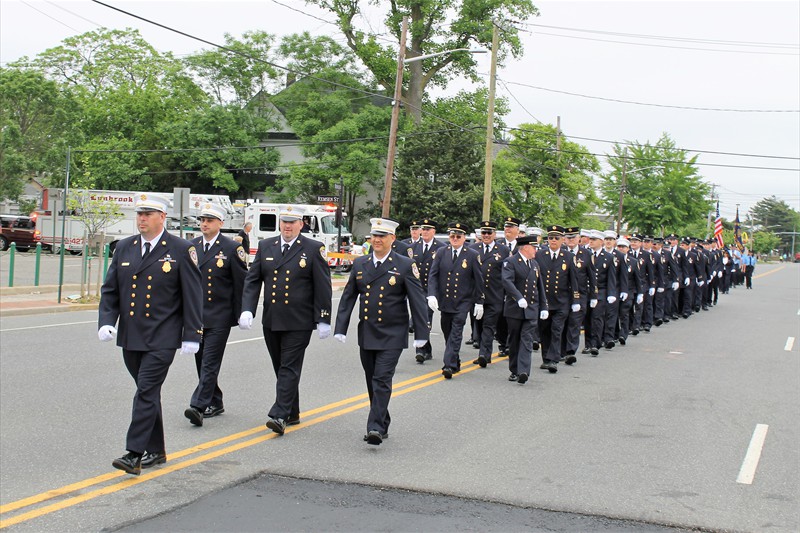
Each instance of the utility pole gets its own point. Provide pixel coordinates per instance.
(398, 93)
(487, 180)
(713, 197)
(622, 187)
(558, 161)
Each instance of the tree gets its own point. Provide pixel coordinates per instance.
(775, 216)
(663, 190)
(95, 215)
(434, 26)
(764, 242)
(36, 118)
(541, 184)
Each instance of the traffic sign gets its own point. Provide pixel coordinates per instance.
(328, 199)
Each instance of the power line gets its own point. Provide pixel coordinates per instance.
(50, 17)
(690, 108)
(73, 13)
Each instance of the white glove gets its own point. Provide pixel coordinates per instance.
(623, 296)
(660, 289)
(719, 274)
(651, 291)
(700, 283)
(419, 343)
(674, 285)
(543, 315)
(611, 299)
(433, 303)
(593, 303)
(576, 308)
(246, 320)
(714, 274)
(639, 298)
(106, 333)
(189, 347)
(340, 337)
(324, 330)
(478, 311)
(522, 303)
(686, 281)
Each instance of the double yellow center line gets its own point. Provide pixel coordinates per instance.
(254, 436)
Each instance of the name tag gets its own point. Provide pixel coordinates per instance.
(125, 264)
(268, 259)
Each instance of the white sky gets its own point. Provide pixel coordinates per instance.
(635, 69)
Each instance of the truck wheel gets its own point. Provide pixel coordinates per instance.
(75, 252)
(3, 244)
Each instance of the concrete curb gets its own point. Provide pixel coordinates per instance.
(41, 289)
(47, 309)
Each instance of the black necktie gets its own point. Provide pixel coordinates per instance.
(455, 256)
(285, 248)
(146, 249)
(205, 250)
(377, 264)
(487, 250)
(425, 251)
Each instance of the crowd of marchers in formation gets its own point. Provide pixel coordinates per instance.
(163, 293)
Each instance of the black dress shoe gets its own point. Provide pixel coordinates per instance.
(646, 329)
(278, 425)
(535, 346)
(552, 367)
(544, 366)
(522, 378)
(705, 308)
(594, 351)
(420, 357)
(513, 377)
(658, 322)
(194, 416)
(213, 410)
(609, 345)
(622, 341)
(384, 436)
(570, 352)
(152, 459)
(585, 351)
(686, 316)
(481, 361)
(130, 463)
(571, 360)
(476, 344)
(293, 420)
(374, 437)
(447, 372)
(635, 332)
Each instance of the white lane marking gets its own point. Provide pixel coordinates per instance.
(49, 326)
(751, 458)
(246, 340)
(789, 344)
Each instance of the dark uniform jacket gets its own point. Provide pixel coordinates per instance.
(223, 270)
(520, 281)
(382, 308)
(560, 278)
(245, 240)
(669, 268)
(636, 268)
(402, 248)
(685, 267)
(648, 268)
(425, 260)
(457, 286)
(621, 267)
(157, 298)
(587, 281)
(605, 273)
(297, 286)
(492, 266)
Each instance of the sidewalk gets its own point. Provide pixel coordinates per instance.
(29, 300)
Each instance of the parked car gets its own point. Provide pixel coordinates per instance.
(797, 257)
(20, 230)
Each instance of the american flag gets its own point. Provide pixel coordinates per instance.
(718, 229)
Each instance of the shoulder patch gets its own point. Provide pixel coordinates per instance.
(323, 253)
(241, 254)
(415, 270)
(410, 253)
(193, 255)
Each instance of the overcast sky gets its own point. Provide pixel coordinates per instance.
(742, 56)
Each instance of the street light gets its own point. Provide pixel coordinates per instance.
(398, 89)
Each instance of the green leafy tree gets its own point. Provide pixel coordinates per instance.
(764, 242)
(434, 26)
(775, 216)
(541, 184)
(663, 192)
(36, 120)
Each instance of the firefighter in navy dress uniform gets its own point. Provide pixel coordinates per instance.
(605, 275)
(153, 288)
(386, 284)
(492, 255)
(297, 298)
(571, 340)
(423, 252)
(525, 305)
(223, 267)
(455, 287)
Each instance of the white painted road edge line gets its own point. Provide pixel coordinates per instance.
(789, 344)
(49, 325)
(753, 455)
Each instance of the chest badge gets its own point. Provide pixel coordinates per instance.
(392, 281)
(302, 262)
(220, 262)
(563, 266)
(464, 263)
(165, 266)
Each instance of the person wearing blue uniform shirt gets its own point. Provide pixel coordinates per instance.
(153, 288)
(749, 262)
(423, 252)
(492, 255)
(455, 288)
(525, 304)
(223, 267)
(293, 270)
(386, 284)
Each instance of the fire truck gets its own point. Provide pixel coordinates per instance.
(49, 217)
(319, 223)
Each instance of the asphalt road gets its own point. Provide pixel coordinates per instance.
(656, 432)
